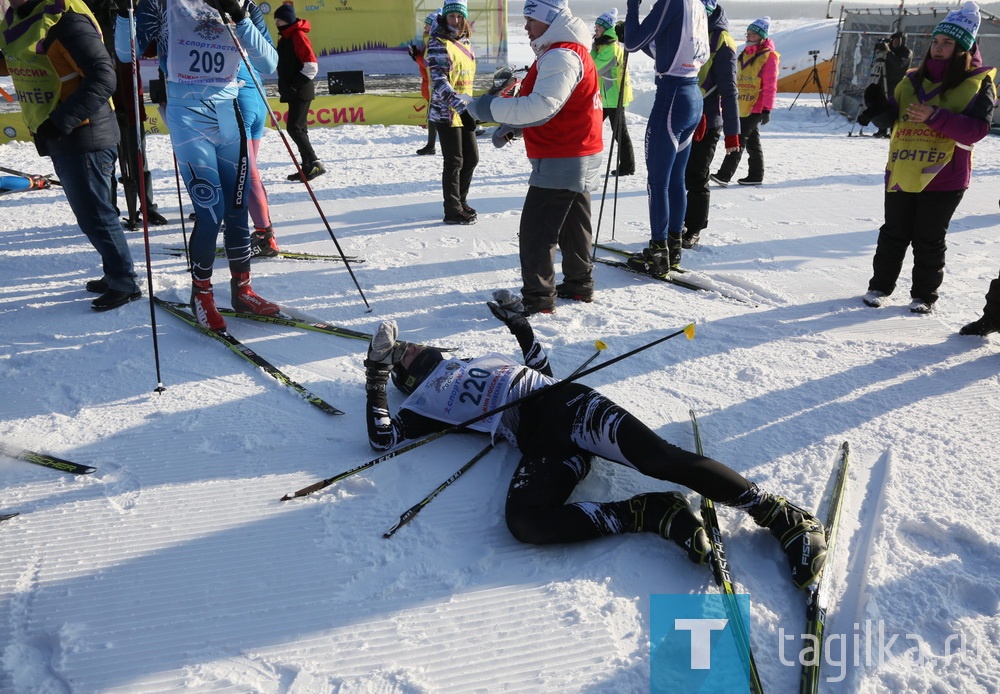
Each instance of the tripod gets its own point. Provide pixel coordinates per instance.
(813, 78)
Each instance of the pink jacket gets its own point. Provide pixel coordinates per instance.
(768, 74)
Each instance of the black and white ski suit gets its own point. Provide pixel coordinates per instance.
(558, 433)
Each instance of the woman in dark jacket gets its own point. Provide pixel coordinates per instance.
(452, 66)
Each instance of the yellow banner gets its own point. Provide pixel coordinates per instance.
(326, 112)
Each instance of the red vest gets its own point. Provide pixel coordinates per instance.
(578, 129)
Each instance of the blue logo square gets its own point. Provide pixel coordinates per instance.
(693, 644)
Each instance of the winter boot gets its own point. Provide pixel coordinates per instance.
(982, 327)
(669, 515)
(246, 300)
(203, 305)
(262, 243)
(690, 238)
(654, 260)
(801, 536)
(674, 244)
(874, 298)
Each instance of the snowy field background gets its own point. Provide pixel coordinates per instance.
(174, 567)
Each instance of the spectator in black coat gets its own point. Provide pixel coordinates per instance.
(897, 62)
(297, 67)
(74, 125)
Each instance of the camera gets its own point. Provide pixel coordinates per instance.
(882, 45)
(813, 52)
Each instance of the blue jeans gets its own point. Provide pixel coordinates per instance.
(669, 134)
(84, 179)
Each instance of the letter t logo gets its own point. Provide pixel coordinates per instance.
(701, 639)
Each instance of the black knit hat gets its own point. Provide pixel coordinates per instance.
(285, 13)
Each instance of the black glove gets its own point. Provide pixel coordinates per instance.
(864, 118)
(122, 7)
(765, 117)
(233, 8)
(507, 306)
(48, 130)
(413, 51)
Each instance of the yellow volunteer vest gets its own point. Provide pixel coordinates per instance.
(37, 80)
(916, 152)
(748, 80)
(463, 72)
(725, 39)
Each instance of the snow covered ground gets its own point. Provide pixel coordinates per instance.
(175, 567)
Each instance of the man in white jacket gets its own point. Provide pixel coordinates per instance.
(559, 110)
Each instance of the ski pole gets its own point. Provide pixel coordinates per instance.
(409, 514)
(688, 331)
(140, 160)
(180, 207)
(599, 344)
(298, 167)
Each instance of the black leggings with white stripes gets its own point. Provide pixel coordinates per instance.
(560, 433)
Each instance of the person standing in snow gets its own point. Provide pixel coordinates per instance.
(675, 35)
(896, 56)
(558, 432)
(757, 80)
(262, 240)
(717, 80)
(937, 113)
(616, 87)
(297, 67)
(990, 320)
(418, 53)
(559, 110)
(451, 63)
(207, 130)
(54, 52)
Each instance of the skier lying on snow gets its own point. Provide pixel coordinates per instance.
(558, 434)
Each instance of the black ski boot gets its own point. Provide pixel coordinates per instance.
(801, 536)
(669, 515)
(674, 244)
(654, 260)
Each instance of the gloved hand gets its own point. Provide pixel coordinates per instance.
(479, 108)
(383, 345)
(234, 8)
(503, 135)
(464, 98)
(765, 117)
(507, 306)
(122, 7)
(732, 143)
(39, 182)
(699, 132)
(48, 130)
(413, 51)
